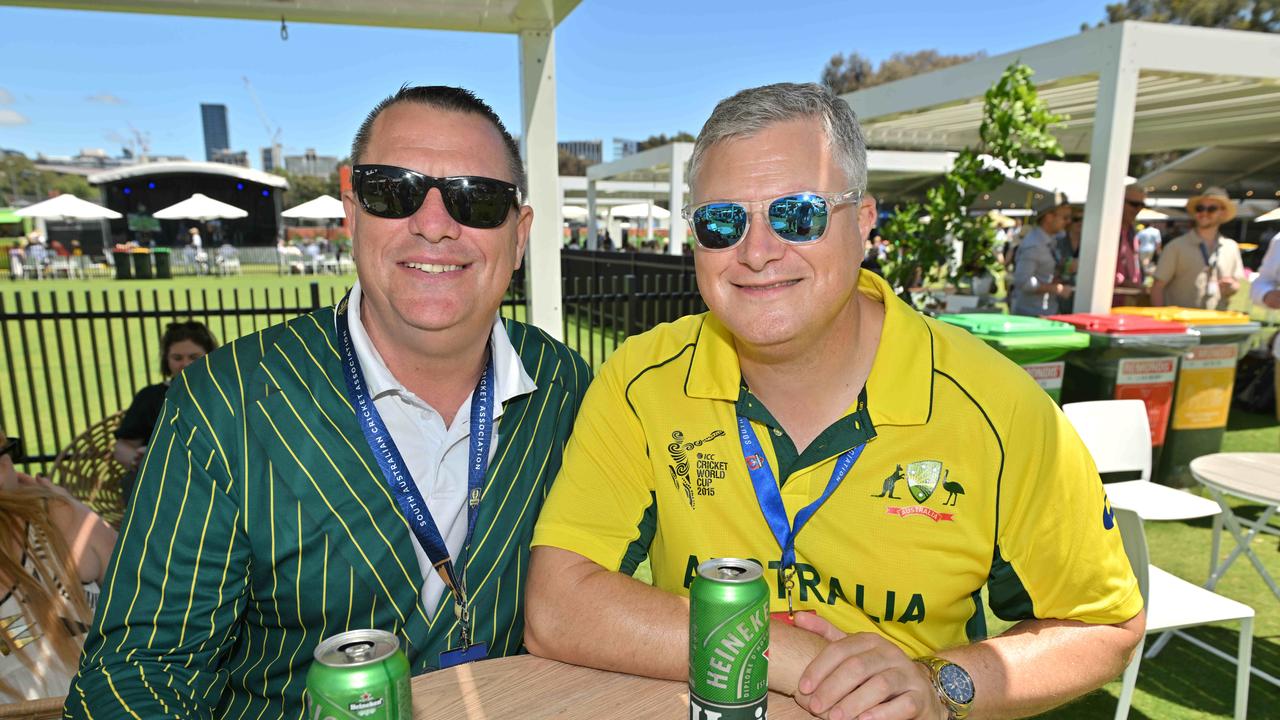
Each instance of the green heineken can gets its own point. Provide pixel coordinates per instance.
(359, 674)
(729, 641)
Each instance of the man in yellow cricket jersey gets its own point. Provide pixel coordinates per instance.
(930, 464)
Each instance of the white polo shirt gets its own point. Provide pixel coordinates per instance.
(435, 455)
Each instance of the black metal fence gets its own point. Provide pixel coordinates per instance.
(72, 357)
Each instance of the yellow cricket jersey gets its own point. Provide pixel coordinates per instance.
(970, 475)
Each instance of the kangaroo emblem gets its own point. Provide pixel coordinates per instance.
(889, 482)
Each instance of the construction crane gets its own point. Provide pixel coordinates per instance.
(273, 131)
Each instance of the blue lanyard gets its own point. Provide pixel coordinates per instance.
(401, 484)
(770, 498)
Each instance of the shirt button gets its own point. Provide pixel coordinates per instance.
(777, 432)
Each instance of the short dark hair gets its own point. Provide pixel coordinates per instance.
(453, 99)
(176, 332)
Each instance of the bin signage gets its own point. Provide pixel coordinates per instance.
(1151, 381)
(1204, 387)
(1047, 375)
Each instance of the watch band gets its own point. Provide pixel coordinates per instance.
(956, 710)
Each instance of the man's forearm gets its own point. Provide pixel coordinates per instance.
(1040, 664)
(578, 612)
(1157, 293)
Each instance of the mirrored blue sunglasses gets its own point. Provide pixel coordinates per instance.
(796, 218)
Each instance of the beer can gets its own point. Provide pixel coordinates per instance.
(729, 641)
(359, 674)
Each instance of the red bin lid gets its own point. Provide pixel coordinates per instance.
(1108, 324)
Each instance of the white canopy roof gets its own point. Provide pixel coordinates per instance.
(200, 207)
(639, 210)
(1129, 86)
(325, 207)
(189, 166)
(67, 207)
(1245, 171)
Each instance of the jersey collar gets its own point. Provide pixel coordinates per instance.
(899, 390)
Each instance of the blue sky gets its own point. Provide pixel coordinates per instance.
(77, 79)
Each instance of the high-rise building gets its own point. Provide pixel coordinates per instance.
(590, 150)
(217, 135)
(309, 163)
(272, 158)
(623, 147)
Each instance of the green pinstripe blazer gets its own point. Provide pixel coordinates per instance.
(261, 524)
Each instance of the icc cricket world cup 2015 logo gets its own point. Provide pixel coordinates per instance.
(679, 451)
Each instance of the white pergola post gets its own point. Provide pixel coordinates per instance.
(649, 235)
(1109, 159)
(538, 110)
(675, 200)
(593, 227)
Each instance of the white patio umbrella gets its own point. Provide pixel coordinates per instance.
(325, 207)
(639, 210)
(68, 207)
(1268, 217)
(200, 207)
(1151, 215)
(572, 212)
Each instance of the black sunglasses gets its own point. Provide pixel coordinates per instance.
(13, 448)
(394, 192)
(1207, 208)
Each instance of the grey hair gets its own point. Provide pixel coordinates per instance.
(754, 109)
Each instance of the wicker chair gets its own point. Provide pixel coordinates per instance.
(87, 469)
(43, 709)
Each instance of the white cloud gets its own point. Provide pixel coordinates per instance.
(6, 97)
(12, 117)
(105, 99)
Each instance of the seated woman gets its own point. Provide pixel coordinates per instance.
(182, 344)
(55, 554)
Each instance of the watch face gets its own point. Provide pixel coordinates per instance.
(956, 683)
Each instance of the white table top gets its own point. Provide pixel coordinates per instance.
(1253, 476)
(1153, 501)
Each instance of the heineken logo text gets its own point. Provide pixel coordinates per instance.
(730, 646)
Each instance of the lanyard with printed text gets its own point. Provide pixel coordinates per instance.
(401, 484)
(770, 498)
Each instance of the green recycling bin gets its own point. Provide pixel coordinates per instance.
(1202, 397)
(164, 263)
(1129, 357)
(142, 263)
(120, 257)
(1035, 344)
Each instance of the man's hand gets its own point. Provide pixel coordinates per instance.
(1228, 286)
(1272, 299)
(862, 672)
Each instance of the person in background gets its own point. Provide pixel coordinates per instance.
(1069, 258)
(1037, 285)
(1129, 276)
(1265, 291)
(1201, 269)
(1149, 246)
(49, 542)
(182, 344)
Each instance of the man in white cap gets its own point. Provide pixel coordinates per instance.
(1201, 269)
(1037, 283)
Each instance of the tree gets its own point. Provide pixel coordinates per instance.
(307, 187)
(844, 74)
(1256, 15)
(571, 164)
(654, 141)
(20, 180)
(1015, 133)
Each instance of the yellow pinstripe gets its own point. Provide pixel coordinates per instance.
(182, 507)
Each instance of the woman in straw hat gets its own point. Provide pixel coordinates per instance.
(1201, 269)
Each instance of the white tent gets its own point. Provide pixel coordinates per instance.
(325, 207)
(200, 207)
(1126, 87)
(1269, 217)
(572, 212)
(67, 207)
(640, 210)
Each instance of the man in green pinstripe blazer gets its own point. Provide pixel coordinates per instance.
(264, 520)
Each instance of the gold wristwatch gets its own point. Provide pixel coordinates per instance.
(953, 685)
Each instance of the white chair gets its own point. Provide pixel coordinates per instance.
(1119, 439)
(1174, 603)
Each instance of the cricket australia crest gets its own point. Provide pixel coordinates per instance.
(922, 478)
